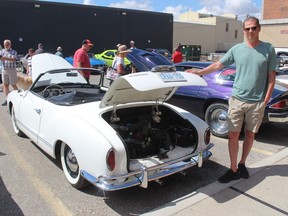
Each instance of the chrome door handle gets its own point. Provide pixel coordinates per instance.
(38, 111)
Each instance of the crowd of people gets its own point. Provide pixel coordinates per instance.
(9, 60)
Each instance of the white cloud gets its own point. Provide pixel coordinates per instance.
(237, 7)
(88, 2)
(175, 10)
(132, 4)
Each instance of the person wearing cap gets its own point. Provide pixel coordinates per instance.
(59, 52)
(40, 49)
(132, 45)
(81, 58)
(118, 62)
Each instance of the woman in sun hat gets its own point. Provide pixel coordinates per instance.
(118, 63)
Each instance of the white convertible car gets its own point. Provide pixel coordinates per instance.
(112, 138)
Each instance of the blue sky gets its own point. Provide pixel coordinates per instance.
(215, 7)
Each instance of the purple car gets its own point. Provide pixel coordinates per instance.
(211, 102)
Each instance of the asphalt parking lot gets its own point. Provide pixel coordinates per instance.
(32, 182)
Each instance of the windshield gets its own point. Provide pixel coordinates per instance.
(70, 75)
(228, 74)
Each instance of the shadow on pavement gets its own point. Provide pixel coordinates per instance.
(137, 200)
(7, 205)
(253, 181)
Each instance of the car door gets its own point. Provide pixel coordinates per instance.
(30, 110)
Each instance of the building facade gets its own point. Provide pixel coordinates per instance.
(274, 9)
(275, 22)
(212, 33)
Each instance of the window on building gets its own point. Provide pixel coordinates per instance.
(236, 34)
(227, 27)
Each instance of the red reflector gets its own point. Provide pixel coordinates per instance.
(280, 104)
(207, 136)
(110, 160)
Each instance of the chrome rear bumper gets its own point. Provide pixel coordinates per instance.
(144, 175)
(278, 117)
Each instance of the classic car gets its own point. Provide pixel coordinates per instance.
(211, 102)
(282, 75)
(108, 56)
(113, 138)
(283, 61)
(95, 63)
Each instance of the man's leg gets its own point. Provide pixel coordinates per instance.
(247, 145)
(233, 145)
(6, 89)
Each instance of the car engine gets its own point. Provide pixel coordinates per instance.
(149, 131)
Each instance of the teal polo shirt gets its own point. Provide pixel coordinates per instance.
(252, 68)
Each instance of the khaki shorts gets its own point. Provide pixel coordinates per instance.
(240, 112)
(9, 76)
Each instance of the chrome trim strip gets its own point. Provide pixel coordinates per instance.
(142, 177)
(36, 135)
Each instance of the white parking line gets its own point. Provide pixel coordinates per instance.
(44, 191)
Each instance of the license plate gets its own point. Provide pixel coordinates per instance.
(171, 77)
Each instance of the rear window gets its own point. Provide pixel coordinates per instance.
(155, 60)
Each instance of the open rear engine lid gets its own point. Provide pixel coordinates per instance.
(148, 86)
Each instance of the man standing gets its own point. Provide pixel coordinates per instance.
(132, 45)
(177, 55)
(254, 83)
(9, 72)
(59, 52)
(81, 58)
(40, 49)
(31, 53)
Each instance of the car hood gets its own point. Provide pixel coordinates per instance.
(44, 62)
(148, 86)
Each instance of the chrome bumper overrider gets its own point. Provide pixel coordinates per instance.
(144, 175)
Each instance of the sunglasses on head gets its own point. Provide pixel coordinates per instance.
(251, 28)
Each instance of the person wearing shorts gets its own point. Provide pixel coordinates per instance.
(9, 71)
(252, 89)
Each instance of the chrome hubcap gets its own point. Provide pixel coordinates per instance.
(218, 120)
(71, 161)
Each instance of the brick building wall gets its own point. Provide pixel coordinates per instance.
(275, 9)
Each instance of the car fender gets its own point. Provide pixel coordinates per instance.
(90, 145)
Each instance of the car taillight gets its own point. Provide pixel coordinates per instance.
(207, 136)
(280, 104)
(110, 159)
